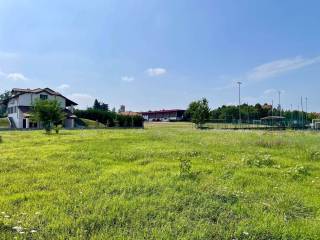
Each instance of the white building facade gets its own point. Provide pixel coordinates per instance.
(21, 101)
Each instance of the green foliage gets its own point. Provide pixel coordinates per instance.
(260, 160)
(48, 112)
(110, 118)
(125, 184)
(130, 121)
(98, 115)
(314, 155)
(299, 172)
(199, 112)
(100, 105)
(185, 168)
(4, 99)
(4, 123)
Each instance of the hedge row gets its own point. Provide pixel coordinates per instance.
(110, 119)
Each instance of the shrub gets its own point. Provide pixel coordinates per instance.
(0, 139)
(314, 155)
(298, 172)
(130, 121)
(261, 161)
(185, 168)
(103, 116)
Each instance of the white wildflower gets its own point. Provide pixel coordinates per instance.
(18, 228)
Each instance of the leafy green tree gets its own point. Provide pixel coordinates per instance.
(199, 112)
(48, 112)
(100, 105)
(4, 99)
(96, 104)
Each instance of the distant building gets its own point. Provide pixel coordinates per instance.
(130, 113)
(21, 101)
(164, 115)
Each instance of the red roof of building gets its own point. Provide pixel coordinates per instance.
(163, 111)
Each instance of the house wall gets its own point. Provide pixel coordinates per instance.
(14, 116)
(28, 99)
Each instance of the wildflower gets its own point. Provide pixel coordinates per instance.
(6, 216)
(246, 233)
(18, 228)
(33, 231)
(37, 213)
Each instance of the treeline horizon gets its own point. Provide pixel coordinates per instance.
(258, 111)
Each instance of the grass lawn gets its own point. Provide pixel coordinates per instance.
(137, 184)
(91, 124)
(4, 123)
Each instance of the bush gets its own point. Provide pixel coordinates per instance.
(260, 161)
(314, 155)
(185, 168)
(130, 121)
(102, 116)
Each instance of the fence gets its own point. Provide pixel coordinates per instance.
(269, 124)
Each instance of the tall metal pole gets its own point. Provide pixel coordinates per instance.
(279, 92)
(272, 113)
(239, 83)
(306, 109)
(302, 116)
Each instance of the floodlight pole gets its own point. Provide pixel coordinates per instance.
(279, 92)
(306, 109)
(239, 83)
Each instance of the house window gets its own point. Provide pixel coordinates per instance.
(43, 97)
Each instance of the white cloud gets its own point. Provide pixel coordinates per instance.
(127, 79)
(16, 77)
(84, 100)
(152, 72)
(277, 67)
(63, 87)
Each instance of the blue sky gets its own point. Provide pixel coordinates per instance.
(154, 54)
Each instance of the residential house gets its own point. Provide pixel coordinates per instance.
(21, 101)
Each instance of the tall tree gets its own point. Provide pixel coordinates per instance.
(48, 112)
(199, 112)
(4, 99)
(96, 104)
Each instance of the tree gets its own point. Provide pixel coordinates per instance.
(96, 104)
(4, 99)
(100, 105)
(199, 112)
(48, 112)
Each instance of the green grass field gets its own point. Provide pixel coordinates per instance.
(4, 123)
(138, 184)
(91, 124)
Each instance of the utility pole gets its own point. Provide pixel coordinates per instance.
(306, 109)
(279, 93)
(239, 83)
(272, 113)
(302, 115)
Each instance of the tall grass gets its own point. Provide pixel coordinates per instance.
(167, 181)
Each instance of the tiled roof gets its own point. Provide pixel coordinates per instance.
(19, 91)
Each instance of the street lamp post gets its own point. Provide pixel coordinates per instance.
(239, 83)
